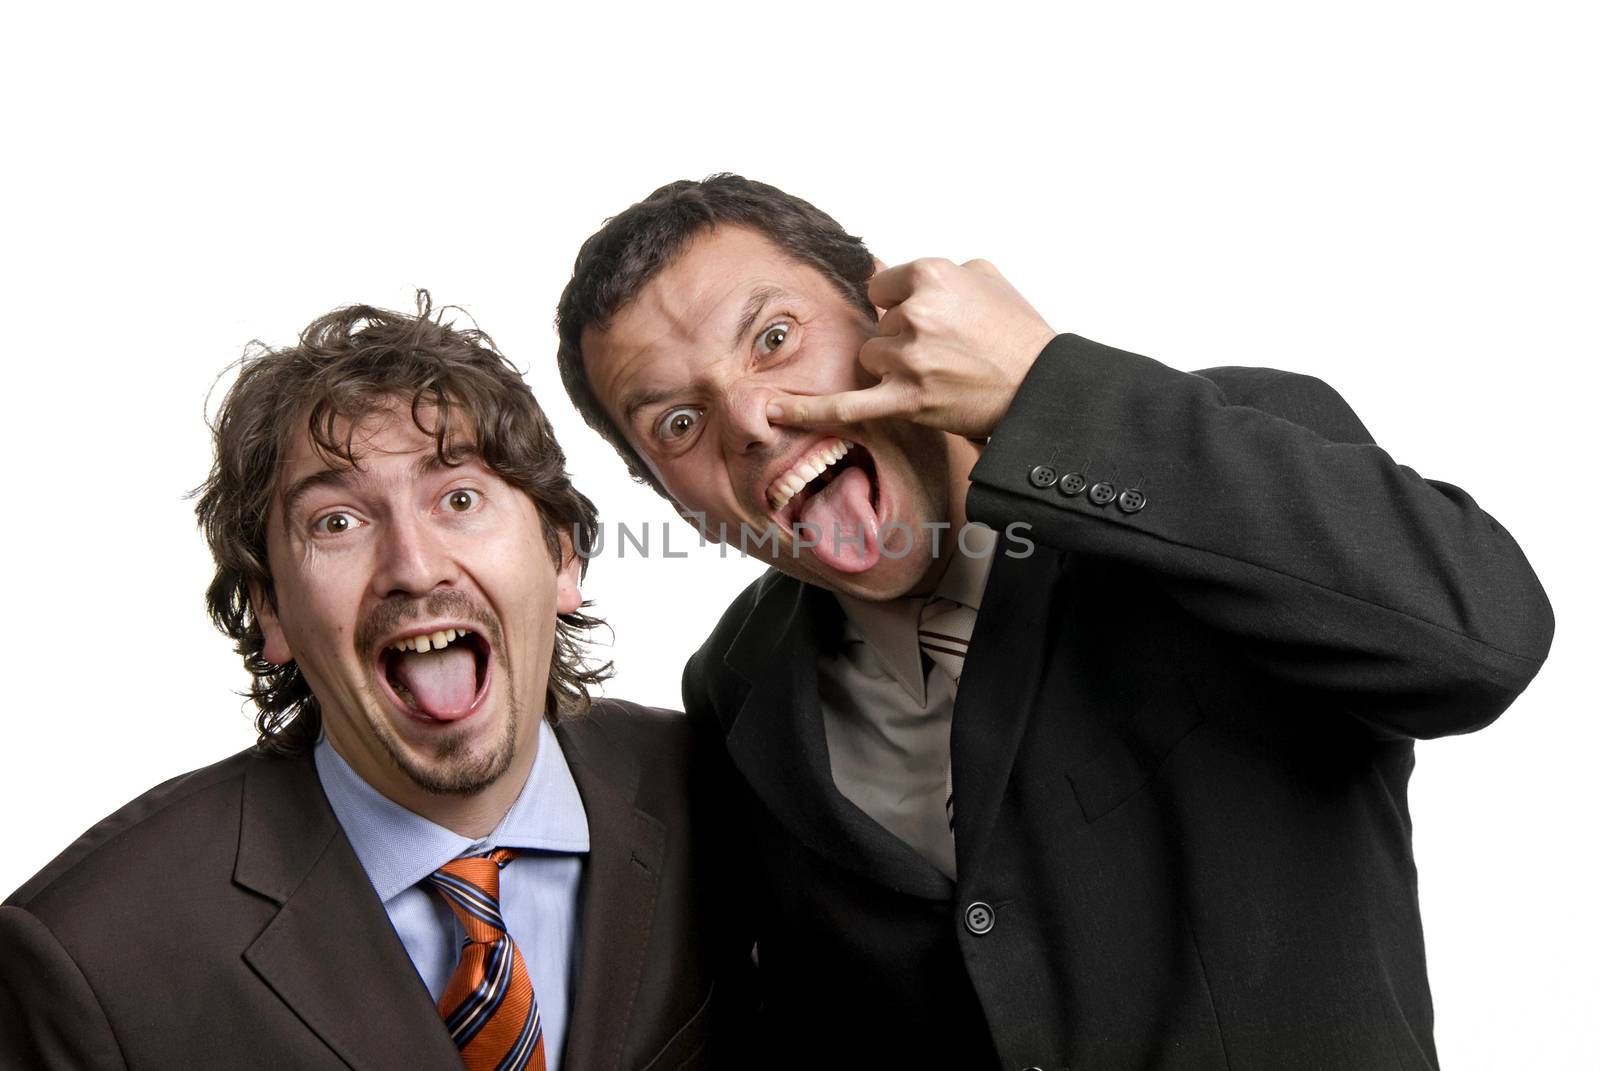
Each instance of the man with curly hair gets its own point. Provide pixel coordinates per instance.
(440, 851)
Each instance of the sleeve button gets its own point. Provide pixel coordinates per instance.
(1042, 476)
(1132, 500)
(1102, 494)
(1072, 483)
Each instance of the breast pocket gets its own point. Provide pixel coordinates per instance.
(1135, 750)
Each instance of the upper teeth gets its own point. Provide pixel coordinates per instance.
(807, 469)
(429, 641)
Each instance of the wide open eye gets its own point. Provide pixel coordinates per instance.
(336, 523)
(773, 337)
(678, 423)
(461, 500)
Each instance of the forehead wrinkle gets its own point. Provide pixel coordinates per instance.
(684, 327)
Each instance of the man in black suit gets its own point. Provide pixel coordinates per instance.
(437, 821)
(1156, 815)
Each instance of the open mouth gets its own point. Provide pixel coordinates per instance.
(442, 675)
(830, 501)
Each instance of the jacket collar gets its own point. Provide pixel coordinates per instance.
(777, 742)
(331, 954)
(626, 847)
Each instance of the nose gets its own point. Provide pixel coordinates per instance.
(744, 426)
(412, 560)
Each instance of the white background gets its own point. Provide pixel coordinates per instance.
(1400, 199)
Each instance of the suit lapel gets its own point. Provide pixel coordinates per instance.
(778, 743)
(330, 953)
(1011, 640)
(626, 846)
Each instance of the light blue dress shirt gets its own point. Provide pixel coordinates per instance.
(539, 888)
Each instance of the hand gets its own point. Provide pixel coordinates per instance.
(952, 346)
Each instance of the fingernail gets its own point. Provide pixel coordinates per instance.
(774, 411)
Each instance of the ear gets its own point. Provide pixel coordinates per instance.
(568, 597)
(275, 646)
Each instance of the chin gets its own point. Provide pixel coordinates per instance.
(889, 578)
(459, 762)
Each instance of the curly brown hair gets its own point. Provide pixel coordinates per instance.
(347, 365)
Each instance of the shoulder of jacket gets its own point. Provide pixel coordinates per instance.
(640, 727)
(211, 791)
(728, 627)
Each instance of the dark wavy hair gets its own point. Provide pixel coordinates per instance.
(347, 365)
(634, 246)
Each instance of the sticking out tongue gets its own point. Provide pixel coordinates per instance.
(443, 682)
(843, 523)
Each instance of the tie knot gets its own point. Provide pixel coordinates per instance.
(471, 886)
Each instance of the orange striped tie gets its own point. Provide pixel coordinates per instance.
(488, 1007)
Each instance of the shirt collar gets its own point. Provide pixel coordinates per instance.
(889, 627)
(398, 847)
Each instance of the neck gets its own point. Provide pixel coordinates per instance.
(962, 455)
(473, 815)
(477, 815)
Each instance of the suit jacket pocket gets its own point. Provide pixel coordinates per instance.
(687, 1049)
(1135, 751)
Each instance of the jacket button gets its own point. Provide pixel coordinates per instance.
(980, 917)
(1072, 483)
(1042, 476)
(1102, 494)
(1132, 500)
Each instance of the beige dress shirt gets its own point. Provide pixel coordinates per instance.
(887, 719)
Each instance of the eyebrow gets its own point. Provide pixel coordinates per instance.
(759, 299)
(642, 399)
(345, 475)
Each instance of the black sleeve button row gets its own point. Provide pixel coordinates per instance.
(980, 917)
(1103, 493)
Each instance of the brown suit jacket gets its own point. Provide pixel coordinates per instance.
(223, 920)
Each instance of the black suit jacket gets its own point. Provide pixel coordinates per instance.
(1180, 747)
(223, 920)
